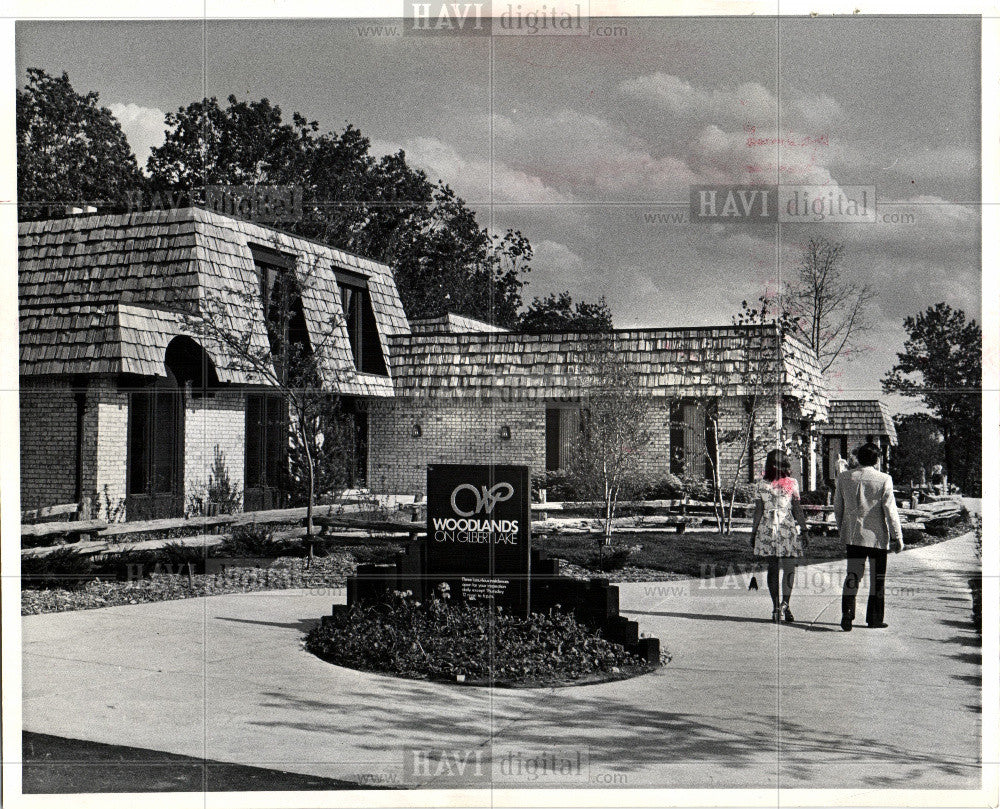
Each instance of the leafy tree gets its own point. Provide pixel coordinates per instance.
(919, 447)
(941, 364)
(831, 311)
(606, 456)
(559, 313)
(69, 150)
(378, 207)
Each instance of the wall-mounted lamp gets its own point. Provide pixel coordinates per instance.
(505, 433)
(417, 430)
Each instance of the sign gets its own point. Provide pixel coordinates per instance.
(479, 532)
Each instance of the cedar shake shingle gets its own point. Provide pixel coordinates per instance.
(92, 288)
(684, 362)
(860, 417)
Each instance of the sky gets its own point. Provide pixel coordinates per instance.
(586, 144)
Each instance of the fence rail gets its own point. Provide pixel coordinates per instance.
(664, 514)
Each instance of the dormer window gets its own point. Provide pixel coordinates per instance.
(359, 320)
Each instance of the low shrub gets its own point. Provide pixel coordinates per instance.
(64, 568)
(253, 540)
(609, 558)
(437, 641)
(557, 484)
(817, 497)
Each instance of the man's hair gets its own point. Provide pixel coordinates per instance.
(868, 454)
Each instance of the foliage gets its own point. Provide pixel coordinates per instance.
(64, 568)
(605, 560)
(941, 364)
(377, 207)
(817, 497)
(252, 540)
(559, 314)
(606, 455)
(920, 447)
(558, 486)
(221, 496)
(438, 641)
(70, 150)
(829, 312)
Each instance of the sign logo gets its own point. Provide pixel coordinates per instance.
(485, 498)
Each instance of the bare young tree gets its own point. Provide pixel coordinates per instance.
(831, 310)
(606, 456)
(263, 332)
(762, 329)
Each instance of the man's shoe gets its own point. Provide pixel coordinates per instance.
(845, 623)
(878, 626)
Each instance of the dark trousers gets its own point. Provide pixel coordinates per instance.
(856, 557)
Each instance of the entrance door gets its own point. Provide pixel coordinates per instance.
(155, 451)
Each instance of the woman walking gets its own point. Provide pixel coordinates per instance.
(779, 530)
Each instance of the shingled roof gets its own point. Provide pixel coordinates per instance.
(452, 324)
(860, 417)
(101, 294)
(681, 362)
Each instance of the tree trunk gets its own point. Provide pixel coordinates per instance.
(310, 501)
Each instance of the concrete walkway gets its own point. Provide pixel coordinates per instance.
(743, 703)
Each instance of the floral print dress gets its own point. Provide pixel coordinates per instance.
(778, 533)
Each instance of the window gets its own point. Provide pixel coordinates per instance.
(687, 437)
(562, 426)
(359, 320)
(266, 449)
(281, 299)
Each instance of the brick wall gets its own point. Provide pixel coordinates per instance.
(469, 432)
(108, 413)
(451, 432)
(210, 422)
(48, 442)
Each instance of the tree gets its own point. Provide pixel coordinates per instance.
(442, 258)
(606, 456)
(69, 150)
(919, 447)
(558, 313)
(941, 364)
(290, 360)
(831, 311)
(763, 329)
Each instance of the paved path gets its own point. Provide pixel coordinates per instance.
(743, 703)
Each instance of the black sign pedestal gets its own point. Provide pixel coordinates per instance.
(479, 544)
(479, 533)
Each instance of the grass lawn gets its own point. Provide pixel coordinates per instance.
(699, 553)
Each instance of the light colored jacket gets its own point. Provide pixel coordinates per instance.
(865, 507)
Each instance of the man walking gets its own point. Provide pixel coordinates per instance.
(865, 508)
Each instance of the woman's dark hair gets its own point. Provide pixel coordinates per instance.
(777, 466)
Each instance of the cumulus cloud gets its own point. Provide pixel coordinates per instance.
(471, 176)
(143, 127)
(724, 106)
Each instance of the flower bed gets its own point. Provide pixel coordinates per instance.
(475, 645)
